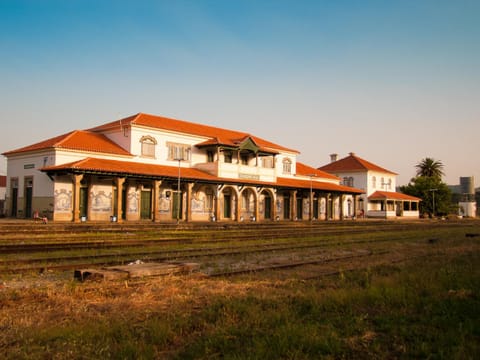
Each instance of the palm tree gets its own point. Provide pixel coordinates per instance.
(430, 167)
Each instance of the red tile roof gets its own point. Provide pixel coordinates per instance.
(133, 168)
(306, 170)
(224, 136)
(316, 185)
(353, 163)
(386, 195)
(76, 140)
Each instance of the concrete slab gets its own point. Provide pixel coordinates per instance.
(99, 274)
(135, 270)
(152, 269)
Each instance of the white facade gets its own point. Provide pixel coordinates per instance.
(379, 199)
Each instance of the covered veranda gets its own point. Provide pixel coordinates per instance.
(95, 189)
(385, 204)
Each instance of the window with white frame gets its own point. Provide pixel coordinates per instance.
(148, 146)
(178, 151)
(374, 182)
(287, 166)
(267, 162)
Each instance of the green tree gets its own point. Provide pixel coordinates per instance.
(428, 185)
(435, 194)
(430, 167)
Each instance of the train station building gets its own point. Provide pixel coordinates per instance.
(153, 168)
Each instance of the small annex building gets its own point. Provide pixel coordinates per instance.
(153, 168)
(380, 200)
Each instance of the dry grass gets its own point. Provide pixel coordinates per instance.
(53, 316)
(29, 307)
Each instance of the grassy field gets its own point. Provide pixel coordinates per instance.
(421, 307)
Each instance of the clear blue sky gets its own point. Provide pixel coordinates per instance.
(393, 81)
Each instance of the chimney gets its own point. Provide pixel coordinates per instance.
(333, 157)
(352, 154)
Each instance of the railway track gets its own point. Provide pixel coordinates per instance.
(169, 255)
(72, 262)
(226, 233)
(210, 244)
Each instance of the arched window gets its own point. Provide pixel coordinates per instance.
(287, 166)
(148, 145)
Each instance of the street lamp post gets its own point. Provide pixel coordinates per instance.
(178, 189)
(384, 184)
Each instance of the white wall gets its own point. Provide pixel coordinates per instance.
(120, 137)
(379, 185)
(22, 166)
(468, 209)
(363, 180)
(279, 164)
(161, 149)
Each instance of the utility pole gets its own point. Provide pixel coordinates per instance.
(433, 201)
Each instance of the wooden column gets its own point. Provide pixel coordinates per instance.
(355, 202)
(257, 205)
(274, 206)
(341, 204)
(310, 205)
(328, 208)
(293, 199)
(188, 215)
(238, 209)
(120, 182)
(334, 201)
(156, 191)
(217, 205)
(76, 197)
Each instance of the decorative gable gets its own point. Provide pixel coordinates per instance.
(249, 144)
